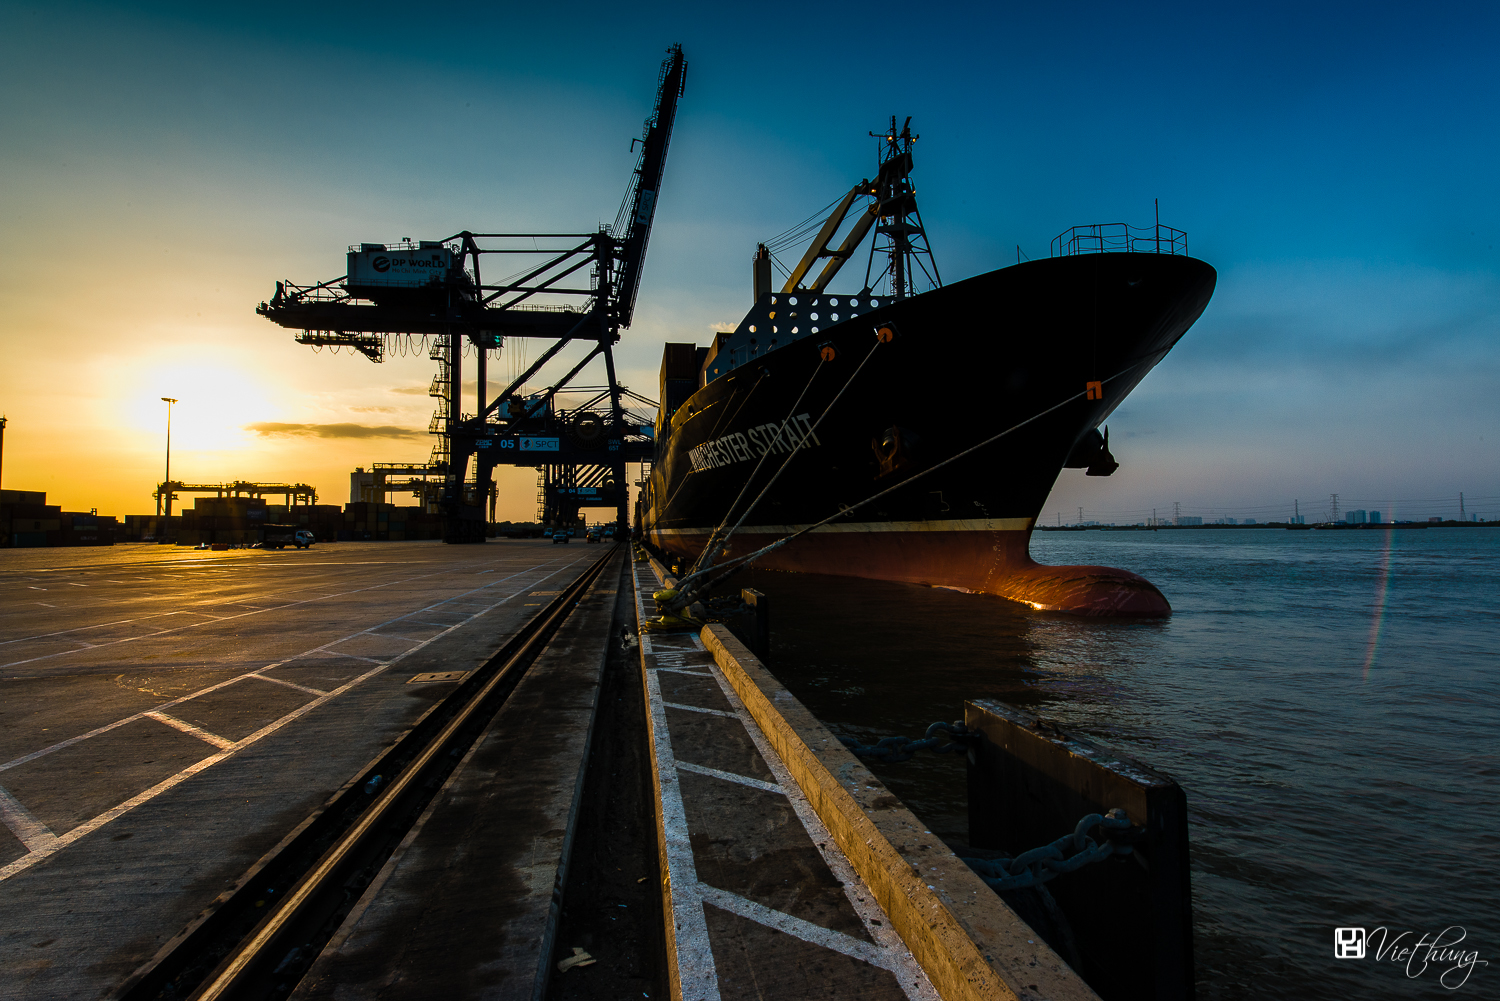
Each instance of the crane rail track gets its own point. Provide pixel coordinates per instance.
(258, 939)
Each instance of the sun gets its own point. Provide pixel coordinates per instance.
(214, 402)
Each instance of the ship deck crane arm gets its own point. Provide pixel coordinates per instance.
(867, 219)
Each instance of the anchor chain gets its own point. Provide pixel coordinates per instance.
(1067, 854)
(895, 749)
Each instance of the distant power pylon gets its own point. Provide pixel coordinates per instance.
(1333, 507)
(1177, 512)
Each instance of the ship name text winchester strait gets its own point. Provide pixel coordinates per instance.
(752, 444)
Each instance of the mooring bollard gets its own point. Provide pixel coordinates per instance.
(1131, 917)
(760, 633)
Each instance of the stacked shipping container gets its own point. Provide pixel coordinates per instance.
(27, 520)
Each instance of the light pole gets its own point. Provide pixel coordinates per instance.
(167, 486)
(2, 444)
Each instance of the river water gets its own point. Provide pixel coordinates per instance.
(1330, 702)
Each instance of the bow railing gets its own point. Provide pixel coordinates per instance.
(1119, 238)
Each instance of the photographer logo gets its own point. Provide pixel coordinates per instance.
(1348, 943)
(1444, 955)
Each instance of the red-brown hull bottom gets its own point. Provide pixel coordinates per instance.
(994, 562)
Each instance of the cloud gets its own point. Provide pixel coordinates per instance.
(723, 328)
(375, 410)
(468, 388)
(271, 429)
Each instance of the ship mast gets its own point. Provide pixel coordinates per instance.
(892, 212)
(899, 238)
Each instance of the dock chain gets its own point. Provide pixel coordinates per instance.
(1041, 864)
(894, 749)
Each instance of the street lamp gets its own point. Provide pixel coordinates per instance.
(167, 486)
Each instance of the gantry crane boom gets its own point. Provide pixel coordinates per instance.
(647, 182)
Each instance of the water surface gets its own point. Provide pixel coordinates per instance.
(1330, 702)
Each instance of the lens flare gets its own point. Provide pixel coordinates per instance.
(1382, 588)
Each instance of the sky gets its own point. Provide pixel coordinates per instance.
(164, 165)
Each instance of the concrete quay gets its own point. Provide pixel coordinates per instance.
(644, 813)
(788, 869)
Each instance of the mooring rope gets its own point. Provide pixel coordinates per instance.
(683, 482)
(709, 554)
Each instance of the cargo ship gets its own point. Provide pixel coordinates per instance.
(922, 427)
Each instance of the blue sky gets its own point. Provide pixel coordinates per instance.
(1336, 163)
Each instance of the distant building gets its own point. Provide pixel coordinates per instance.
(1187, 519)
(1248, 521)
(1300, 519)
(1226, 521)
(1356, 517)
(362, 487)
(1375, 517)
(1434, 518)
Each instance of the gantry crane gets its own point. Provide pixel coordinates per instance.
(436, 291)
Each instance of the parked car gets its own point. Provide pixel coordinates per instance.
(559, 537)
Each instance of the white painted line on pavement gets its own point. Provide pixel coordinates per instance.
(34, 834)
(181, 724)
(697, 974)
(700, 709)
(289, 684)
(867, 952)
(743, 780)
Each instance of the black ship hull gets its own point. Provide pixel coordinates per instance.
(970, 360)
